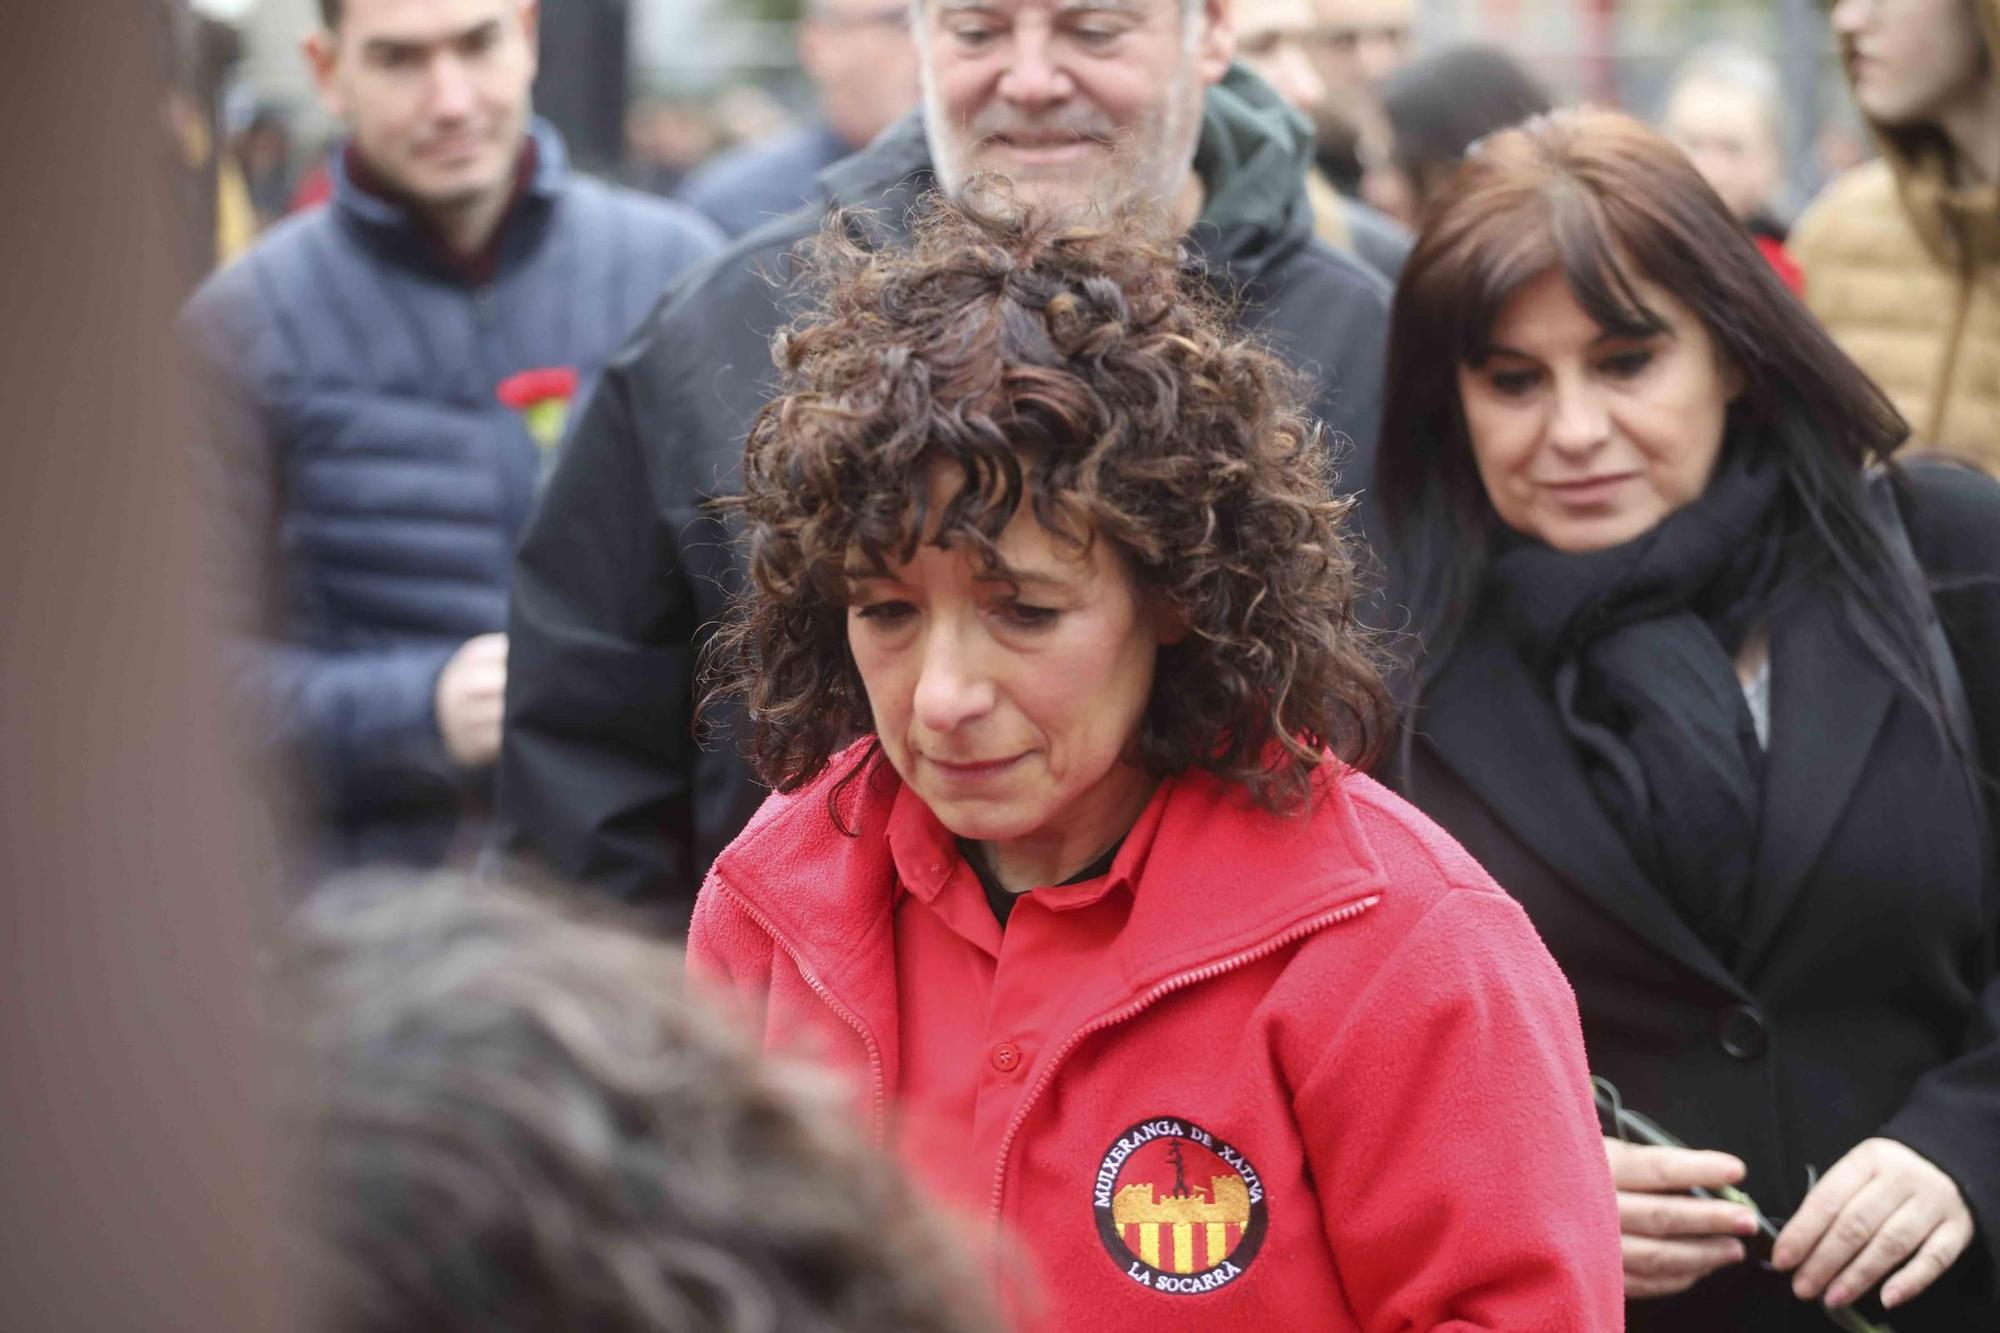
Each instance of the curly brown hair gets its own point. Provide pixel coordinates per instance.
(1092, 373)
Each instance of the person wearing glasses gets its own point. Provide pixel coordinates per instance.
(1703, 682)
(863, 68)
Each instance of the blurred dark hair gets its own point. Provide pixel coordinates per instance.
(329, 13)
(519, 1120)
(1440, 104)
(1090, 374)
(1606, 201)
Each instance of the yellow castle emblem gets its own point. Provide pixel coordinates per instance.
(1184, 1217)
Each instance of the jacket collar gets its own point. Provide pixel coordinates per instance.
(1213, 876)
(390, 224)
(1252, 157)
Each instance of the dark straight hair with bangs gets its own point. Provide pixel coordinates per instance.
(1606, 201)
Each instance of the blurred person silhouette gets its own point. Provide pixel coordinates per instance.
(515, 1117)
(604, 775)
(1050, 653)
(1726, 110)
(1902, 254)
(383, 383)
(1435, 108)
(1355, 45)
(665, 139)
(863, 68)
(1271, 37)
(263, 152)
(1705, 682)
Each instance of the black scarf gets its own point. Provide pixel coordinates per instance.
(1637, 643)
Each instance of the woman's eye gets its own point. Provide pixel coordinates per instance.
(885, 614)
(1512, 383)
(1023, 616)
(1097, 36)
(1627, 364)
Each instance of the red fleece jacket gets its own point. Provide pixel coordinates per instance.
(1328, 1074)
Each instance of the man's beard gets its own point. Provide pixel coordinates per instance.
(1146, 169)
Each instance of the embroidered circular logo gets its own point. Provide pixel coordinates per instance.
(1178, 1209)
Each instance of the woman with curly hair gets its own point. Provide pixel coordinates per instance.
(1050, 653)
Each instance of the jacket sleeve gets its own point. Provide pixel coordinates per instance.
(729, 956)
(1952, 1116)
(1450, 1128)
(363, 723)
(596, 766)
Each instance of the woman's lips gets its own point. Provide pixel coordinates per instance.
(971, 771)
(1589, 490)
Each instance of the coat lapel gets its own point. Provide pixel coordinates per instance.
(1494, 725)
(1828, 702)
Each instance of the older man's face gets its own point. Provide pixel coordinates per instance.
(1082, 104)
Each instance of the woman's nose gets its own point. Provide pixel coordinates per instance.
(1580, 420)
(953, 687)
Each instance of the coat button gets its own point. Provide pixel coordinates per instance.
(1743, 1033)
(1006, 1057)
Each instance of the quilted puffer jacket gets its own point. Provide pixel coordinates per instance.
(1903, 265)
(371, 483)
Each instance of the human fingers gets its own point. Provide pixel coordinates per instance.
(1649, 1169)
(1822, 1204)
(1641, 1214)
(1663, 1267)
(1901, 1234)
(1846, 1236)
(1939, 1252)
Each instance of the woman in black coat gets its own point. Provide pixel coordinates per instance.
(1703, 682)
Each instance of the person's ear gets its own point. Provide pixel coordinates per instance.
(1217, 46)
(1170, 624)
(321, 49)
(1734, 380)
(531, 29)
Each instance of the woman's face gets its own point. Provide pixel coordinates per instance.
(1585, 439)
(1010, 708)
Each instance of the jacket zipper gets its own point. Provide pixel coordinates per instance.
(1179, 981)
(853, 1020)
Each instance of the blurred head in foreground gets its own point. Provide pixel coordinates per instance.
(519, 1120)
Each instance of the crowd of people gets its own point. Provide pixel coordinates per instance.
(1265, 676)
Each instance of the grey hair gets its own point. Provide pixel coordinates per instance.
(517, 1119)
(1739, 67)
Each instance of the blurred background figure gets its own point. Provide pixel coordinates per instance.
(516, 1120)
(1272, 38)
(385, 382)
(263, 152)
(1433, 109)
(665, 139)
(215, 219)
(1902, 255)
(1726, 111)
(863, 69)
(1355, 45)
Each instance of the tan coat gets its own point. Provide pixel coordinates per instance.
(1904, 268)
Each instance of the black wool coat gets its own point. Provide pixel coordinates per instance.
(1865, 1002)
